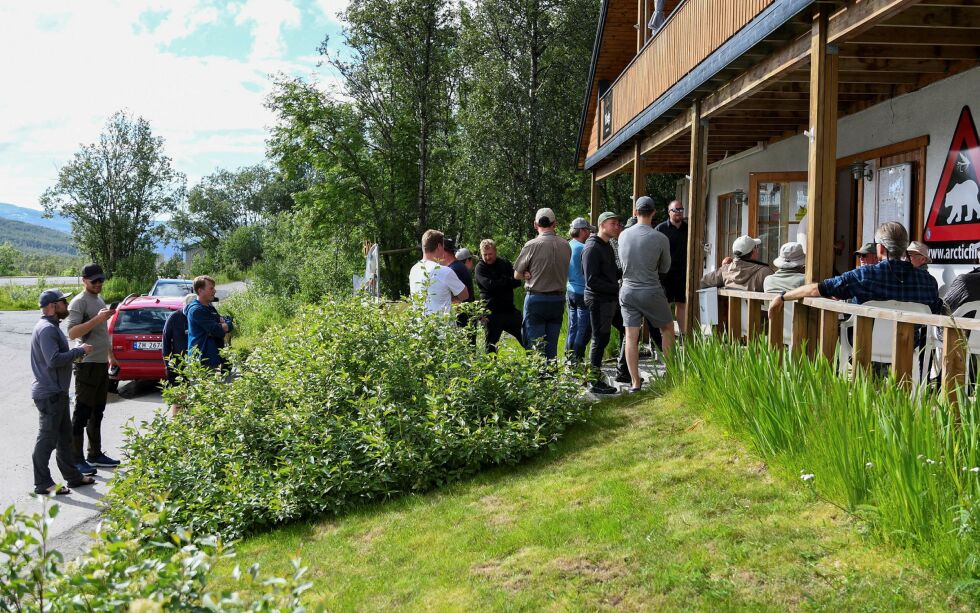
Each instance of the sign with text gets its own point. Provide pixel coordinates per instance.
(953, 225)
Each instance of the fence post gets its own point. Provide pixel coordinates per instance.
(902, 353)
(954, 367)
(755, 318)
(734, 318)
(829, 333)
(776, 328)
(862, 343)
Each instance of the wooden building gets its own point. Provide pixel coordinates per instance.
(843, 113)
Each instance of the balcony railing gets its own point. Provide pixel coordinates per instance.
(693, 32)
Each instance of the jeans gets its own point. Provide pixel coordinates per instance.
(543, 315)
(604, 317)
(91, 388)
(579, 326)
(54, 433)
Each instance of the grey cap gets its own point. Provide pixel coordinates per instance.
(50, 296)
(644, 205)
(580, 223)
(866, 249)
(465, 254)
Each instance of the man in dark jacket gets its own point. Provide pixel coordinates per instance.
(495, 278)
(175, 343)
(602, 295)
(964, 288)
(51, 362)
(206, 329)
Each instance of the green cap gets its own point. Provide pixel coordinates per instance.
(606, 217)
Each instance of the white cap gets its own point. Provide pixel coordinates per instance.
(546, 214)
(744, 245)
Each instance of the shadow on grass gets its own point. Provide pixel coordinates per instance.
(608, 421)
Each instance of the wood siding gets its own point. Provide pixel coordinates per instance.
(693, 32)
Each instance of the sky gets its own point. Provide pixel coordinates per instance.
(199, 71)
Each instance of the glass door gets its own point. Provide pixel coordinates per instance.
(777, 203)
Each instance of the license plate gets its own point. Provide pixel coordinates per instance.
(148, 345)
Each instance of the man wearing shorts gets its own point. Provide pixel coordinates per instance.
(675, 281)
(645, 254)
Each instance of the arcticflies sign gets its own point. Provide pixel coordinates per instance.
(953, 225)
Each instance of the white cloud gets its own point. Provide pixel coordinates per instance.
(68, 65)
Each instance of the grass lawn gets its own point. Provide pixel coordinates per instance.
(645, 507)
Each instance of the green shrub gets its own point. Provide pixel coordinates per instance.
(256, 313)
(171, 268)
(900, 462)
(134, 564)
(350, 402)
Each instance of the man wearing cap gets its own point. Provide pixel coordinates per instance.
(893, 278)
(790, 268)
(742, 270)
(433, 277)
(87, 317)
(462, 264)
(645, 254)
(579, 329)
(51, 362)
(675, 281)
(495, 278)
(543, 265)
(867, 255)
(918, 255)
(602, 295)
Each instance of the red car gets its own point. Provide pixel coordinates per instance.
(136, 330)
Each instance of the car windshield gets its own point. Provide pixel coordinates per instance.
(141, 321)
(172, 289)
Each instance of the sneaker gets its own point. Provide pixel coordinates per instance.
(103, 460)
(602, 387)
(85, 468)
(627, 379)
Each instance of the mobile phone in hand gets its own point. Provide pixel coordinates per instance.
(113, 306)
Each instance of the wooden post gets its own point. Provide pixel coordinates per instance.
(697, 216)
(829, 333)
(954, 366)
(822, 167)
(776, 329)
(595, 200)
(734, 319)
(799, 341)
(640, 25)
(755, 318)
(902, 351)
(639, 179)
(862, 343)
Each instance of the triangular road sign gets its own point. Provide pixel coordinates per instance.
(955, 212)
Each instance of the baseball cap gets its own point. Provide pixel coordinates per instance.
(644, 204)
(580, 223)
(449, 245)
(93, 272)
(920, 248)
(464, 254)
(866, 249)
(50, 296)
(545, 214)
(744, 245)
(606, 217)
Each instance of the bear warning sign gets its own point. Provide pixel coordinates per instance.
(953, 226)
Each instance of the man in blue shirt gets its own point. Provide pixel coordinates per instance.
(206, 329)
(891, 279)
(579, 327)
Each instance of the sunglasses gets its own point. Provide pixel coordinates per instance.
(676, 210)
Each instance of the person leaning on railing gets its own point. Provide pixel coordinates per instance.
(891, 279)
(741, 270)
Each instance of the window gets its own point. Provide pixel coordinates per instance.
(777, 203)
(729, 225)
(141, 321)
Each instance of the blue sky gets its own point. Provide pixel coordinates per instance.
(197, 70)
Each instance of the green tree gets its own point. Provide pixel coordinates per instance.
(228, 200)
(9, 257)
(114, 189)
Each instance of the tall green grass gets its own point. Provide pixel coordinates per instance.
(901, 463)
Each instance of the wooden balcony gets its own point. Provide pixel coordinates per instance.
(699, 39)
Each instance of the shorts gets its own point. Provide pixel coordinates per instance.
(91, 384)
(675, 287)
(640, 304)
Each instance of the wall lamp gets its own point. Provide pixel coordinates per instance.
(739, 197)
(861, 170)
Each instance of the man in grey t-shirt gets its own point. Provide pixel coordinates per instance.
(645, 254)
(87, 317)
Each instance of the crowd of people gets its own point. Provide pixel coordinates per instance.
(603, 278)
(197, 331)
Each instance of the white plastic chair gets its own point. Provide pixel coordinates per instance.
(971, 310)
(882, 339)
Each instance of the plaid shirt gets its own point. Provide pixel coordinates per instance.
(886, 280)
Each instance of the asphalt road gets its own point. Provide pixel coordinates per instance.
(136, 402)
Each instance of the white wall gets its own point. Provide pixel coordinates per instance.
(933, 110)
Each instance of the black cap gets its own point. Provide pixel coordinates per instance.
(93, 272)
(449, 245)
(52, 295)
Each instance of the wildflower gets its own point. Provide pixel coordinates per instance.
(930, 461)
(869, 465)
(808, 476)
(975, 469)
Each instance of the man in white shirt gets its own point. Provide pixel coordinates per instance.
(432, 276)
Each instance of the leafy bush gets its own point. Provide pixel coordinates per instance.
(350, 402)
(256, 313)
(903, 463)
(171, 268)
(134, 563)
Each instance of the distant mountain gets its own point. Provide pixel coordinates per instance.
(31, 238)
(24, 215)
(34, 216)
